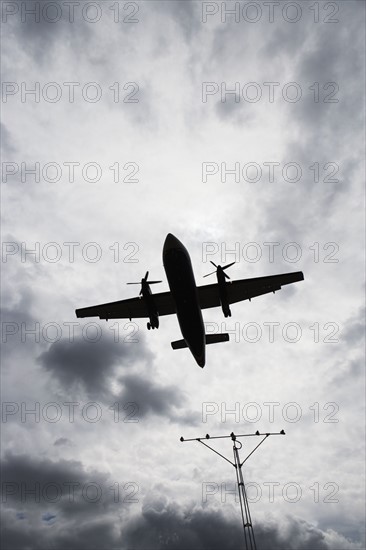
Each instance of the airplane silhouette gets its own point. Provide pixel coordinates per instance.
(186, 299)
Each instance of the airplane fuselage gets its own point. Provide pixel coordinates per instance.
(179, 272)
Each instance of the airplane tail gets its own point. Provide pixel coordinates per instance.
(210, 339)
(216, 338)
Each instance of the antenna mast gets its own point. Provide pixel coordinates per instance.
(249, 539)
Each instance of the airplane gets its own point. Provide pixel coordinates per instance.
(186, 299)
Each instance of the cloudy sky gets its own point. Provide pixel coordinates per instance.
(238, 127)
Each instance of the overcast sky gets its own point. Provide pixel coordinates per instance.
(239, 128)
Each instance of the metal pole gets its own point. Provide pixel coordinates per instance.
(244, 504)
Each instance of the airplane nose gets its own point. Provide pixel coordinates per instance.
(170, 242)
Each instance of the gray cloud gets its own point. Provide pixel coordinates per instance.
(85, 536)
(230, 111)
(72, 514)
(349, 367)
(7, 146)
(324, 61)
(154, 399)
(354, 331)
(26, 472)
(165, 524)
(184, 14)
(19, 311)
(91, 364)
(62, 441)
(15, 313)
(39, 34)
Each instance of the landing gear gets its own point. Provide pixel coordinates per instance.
(153, 323)
(227, 312)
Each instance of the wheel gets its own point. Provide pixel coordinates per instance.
(148, 326)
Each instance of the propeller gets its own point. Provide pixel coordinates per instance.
(220, 268)
(143, 281)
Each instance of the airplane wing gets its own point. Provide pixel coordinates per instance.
(245, 289)
(208, 296)
(130, 308)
